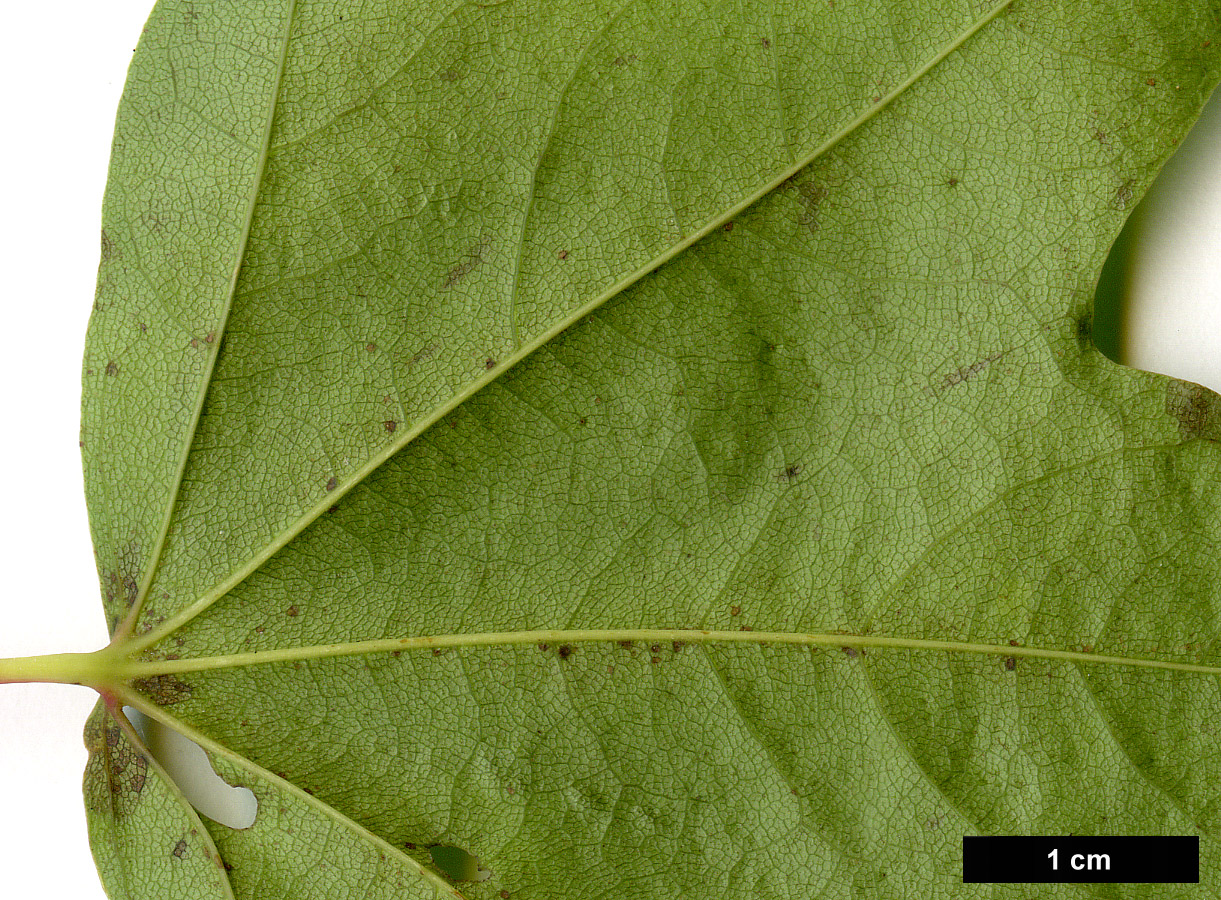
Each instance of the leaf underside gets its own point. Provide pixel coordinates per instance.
(463, 319)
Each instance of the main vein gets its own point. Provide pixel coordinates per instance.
(647, 636)
(201, 395)
(172, 624)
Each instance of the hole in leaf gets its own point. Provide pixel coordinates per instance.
(1157, 305)
(190, 769)
(458, 865)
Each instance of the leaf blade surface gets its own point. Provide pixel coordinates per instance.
(868, 406)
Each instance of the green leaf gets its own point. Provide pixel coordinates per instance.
(654, 448)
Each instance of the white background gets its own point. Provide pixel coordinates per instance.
(64, 65)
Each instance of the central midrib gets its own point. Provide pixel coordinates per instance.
(560, 638)
(525, 350)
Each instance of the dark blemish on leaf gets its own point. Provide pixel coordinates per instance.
(1087, 648)
(331, 509)
(1123, 195)
(565, 651)
(112, 368)
(457, 273)
(654, 659)
(123, 584)
(1013, 643)
(390, 425)
(953, 182)
(1083, 330)
(544, 647)
(735, 610)
(729, 226)
(180, 849)
(209, 337)
(370, 347)
(625, 645)
(677, 646)
(437, 651)
(108, 249)
(1152, 82)
(966, 373)
(1010, 663)
(810, 196)
(293, 611)
(788, 473)
(746, 628)
(655, 648)
(563, 254)
(420, 354)
(767, 45)
(1195, 408)
(450, 75)
(504, 895)
(850, 652)
(332, 483)
(582, 420)
(409, 845)
(165, 690)
(489, 364)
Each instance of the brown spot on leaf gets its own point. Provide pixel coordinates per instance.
(1123, 196)
(788, 473)
(565, 651)
(1010, 663)
(850, 652)
(735, 610)
(424, 353)
(810, 196)
(180, 849)
(767, 44)
(332, 483)
(293, 611)
(1196, 409)
(563, 254)
(458, 272)
(112, 368)
(370, 347)
(109, 251)
(489, 364)
(390, 425)
(165, 690)
(966, 373)
(544, 647)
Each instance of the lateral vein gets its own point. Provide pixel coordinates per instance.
(154, 560)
